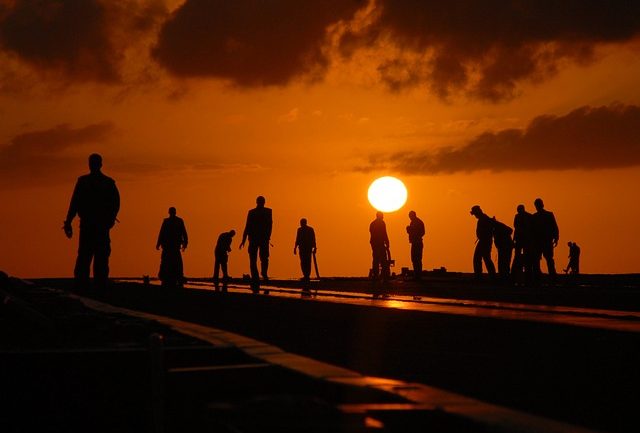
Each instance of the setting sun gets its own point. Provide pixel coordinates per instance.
(387, 194)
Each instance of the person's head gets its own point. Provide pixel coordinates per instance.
(520, 208)
(476, 211)
(172, 211)
(232, 233)
(569, 244)
(95, 162)
(379, 215)
(412, 215)
(303, 222)
(260, 201)
(539, 204)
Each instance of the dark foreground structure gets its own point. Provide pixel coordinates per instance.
(146, 359)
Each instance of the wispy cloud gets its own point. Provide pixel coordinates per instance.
(44, 155)
(587, 138)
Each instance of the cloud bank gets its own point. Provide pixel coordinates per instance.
(487, 48)
(587, 138)
(249, 42)
(484, 50)
(80, 40)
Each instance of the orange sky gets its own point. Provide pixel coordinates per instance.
(307, 106)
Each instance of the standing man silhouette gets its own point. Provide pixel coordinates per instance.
(416, 231)
(172, 238)
(306, 243)
(379, 247)
(221, 253)
(96, 201)
(484, 235)
(545, 239)
(523, 243)
(258, 229)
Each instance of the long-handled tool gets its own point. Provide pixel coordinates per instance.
(315, 265)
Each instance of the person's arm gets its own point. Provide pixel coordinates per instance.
(72, 212)
(160, 236)
(185, 237)
(297, 242)
(313, 241)
(269, 224)
(246, 230)
(116, 204)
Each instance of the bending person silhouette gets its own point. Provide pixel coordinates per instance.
(221, 254)
(172, 238)
(573, 267)
(416, 231)
(484, 236)
(545, 239)
(306, 244)
(379, 248)
(96, 201)
(258, 229)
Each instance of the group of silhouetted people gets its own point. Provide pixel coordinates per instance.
(96, 201)
(534, 237)
(258, 228)
(381, 253)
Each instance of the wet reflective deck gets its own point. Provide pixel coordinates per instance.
(195, 378)
(628, 321)
(541, 360)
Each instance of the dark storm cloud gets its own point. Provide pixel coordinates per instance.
(587, 138)
(249, 42)
(75, 37)
(486, 48)
(43, 155)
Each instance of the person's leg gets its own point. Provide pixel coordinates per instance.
(102, 252)
(83, 261)
(305, 263)
(223, 265)
(253, 261)
(536, 271)
(216, 270)
(416, 259)
(551, 264)
(264, 260)
(488, 262)
(477, 261)
(377, 256)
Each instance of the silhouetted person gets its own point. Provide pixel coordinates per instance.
(504, 245)
(484, 235)
(172, 238)
(416, 231)
(545, 239)
(96, 201)
(522, 268)
(574, 259)
(221, 255)
(379, 247)
(306, 244)
(258, 230)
